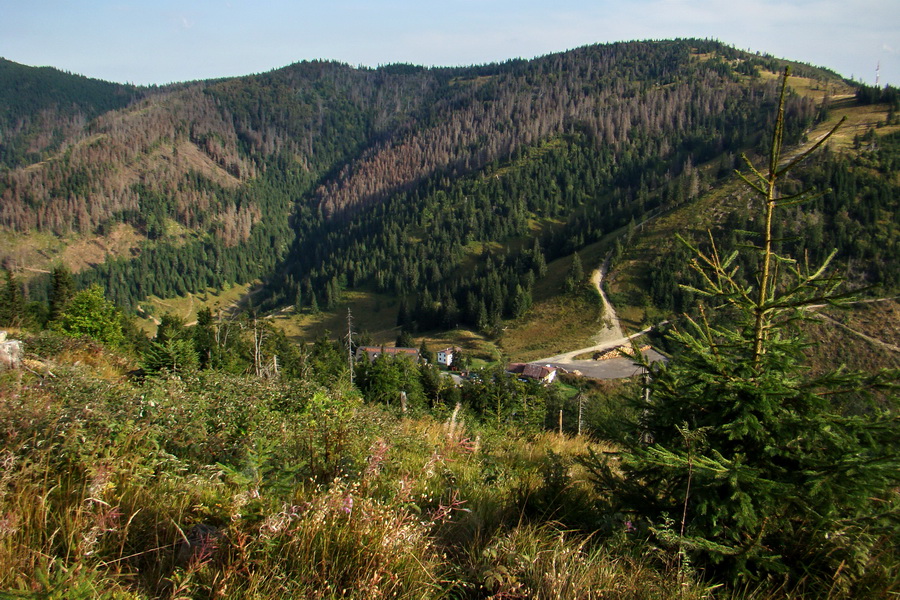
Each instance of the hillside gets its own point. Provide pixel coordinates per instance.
(219, 486)
(43, 109)
(440, 195)
(466, 210)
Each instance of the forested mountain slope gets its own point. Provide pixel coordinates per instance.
(449, 188)
(42, 108)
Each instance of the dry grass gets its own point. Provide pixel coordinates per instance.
(476, 345)
(186, 307)
(88, 252)
(552, 327)
(842, 104)
(29, 254)
(102, 483)
(373, 313)
(557, 323)
(811, 87)
(836, 345)
(35, 253)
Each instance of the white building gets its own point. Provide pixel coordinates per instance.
(445, 356)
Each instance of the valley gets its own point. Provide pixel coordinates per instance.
(192, 269)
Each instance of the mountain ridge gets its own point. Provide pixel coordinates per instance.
(321, 178)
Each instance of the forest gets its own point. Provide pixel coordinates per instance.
(264, 172)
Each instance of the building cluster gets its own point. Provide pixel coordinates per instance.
(444, 357)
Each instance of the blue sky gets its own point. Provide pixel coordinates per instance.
(162, 41)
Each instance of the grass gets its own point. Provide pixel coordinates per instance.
(843, 104)
(373, 313)
(217, 486)
(838, 346)
(556, 322)
(479, 347)
(36, 253)
(552, 327)
(187, 307)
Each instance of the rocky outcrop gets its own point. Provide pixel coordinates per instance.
(11, 353)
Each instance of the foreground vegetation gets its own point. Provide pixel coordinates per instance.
(210, 485)
(213, 485)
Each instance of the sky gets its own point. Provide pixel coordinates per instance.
(162, 41)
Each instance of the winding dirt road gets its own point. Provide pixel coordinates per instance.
(610, 336)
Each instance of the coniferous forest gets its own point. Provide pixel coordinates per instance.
(738, 202)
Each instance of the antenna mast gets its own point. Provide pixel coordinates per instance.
(877, 72)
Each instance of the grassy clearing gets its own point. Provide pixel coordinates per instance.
(375, 318)
(842, 104)
(31, 252)
(37, 253)
(556, 322)
(477, 346)
(812, 88)
(186, 307)
(374, 314)
(553, 326)
(531, 155)
(837, 345)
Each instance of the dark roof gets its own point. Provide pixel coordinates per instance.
(531, 370)
(538, 371)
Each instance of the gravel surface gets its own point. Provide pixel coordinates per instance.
(611, 336)
(612, 368)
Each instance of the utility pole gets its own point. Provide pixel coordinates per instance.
(350, 343)
(580, 399)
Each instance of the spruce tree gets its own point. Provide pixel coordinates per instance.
(174, 355)
(204, 338)
(575, 275)
(743, 462)
(404, 339)
(12, 303)
(61, 291)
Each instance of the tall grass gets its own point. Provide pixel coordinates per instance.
(215, 486)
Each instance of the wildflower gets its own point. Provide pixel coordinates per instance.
(347, 505)
(376, 458)
(445, 511)
(9, 524)
(199, 545)
(101, 480)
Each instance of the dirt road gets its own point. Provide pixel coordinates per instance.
(610, 336)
